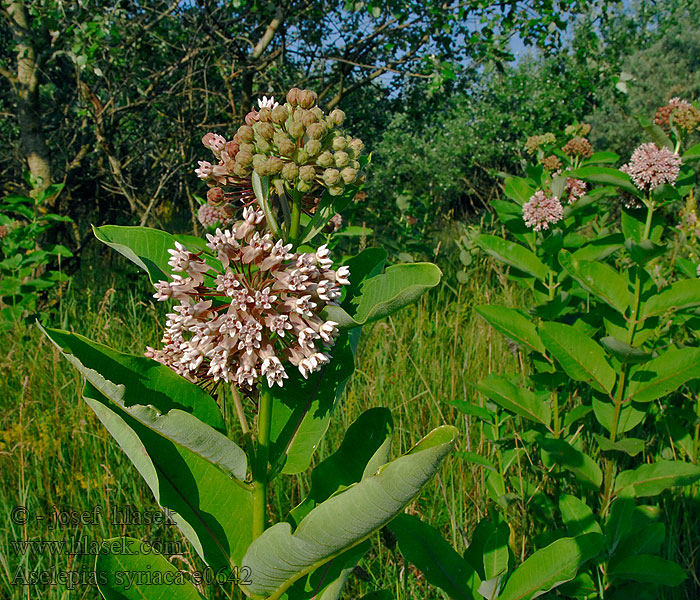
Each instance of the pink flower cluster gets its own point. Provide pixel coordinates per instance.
(213, 216)
(542, 210)
(575, 189)
(651, 166)
(240, 321)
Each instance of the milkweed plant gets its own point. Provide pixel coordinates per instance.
(256, 351)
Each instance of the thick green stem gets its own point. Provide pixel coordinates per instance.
(622, 382)
(555, 411)
(296, 219)
(260, 477)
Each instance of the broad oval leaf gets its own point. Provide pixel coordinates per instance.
(512, 324)
(384, 294)
(600, 280)
(607, 175)
(581, 357)
(647, 568)
(423, 546)
(513, 254)
(661, 376)
(551, 566)
(532, 406)
(691, 154)
(624, 352)
(577, 516)
(559, 451)
(652, 479)
(129, 569)
(678, 296)
(148, 248)
(279, 557)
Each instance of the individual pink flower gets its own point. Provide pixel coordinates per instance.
(651, 166)
(542, 210)
(575, 189)
(241, 321)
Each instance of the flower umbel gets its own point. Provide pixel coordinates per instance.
(239, 322)
(542, 210)
(651, 166)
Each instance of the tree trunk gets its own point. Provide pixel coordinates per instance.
(32, 139)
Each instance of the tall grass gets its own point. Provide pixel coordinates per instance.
(56, 456)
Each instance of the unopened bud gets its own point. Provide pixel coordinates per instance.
(245, 132)
(246, 147)
(301, 156)
(313, 147)
(244, 158)
(341, 159)
(307, 173)
(265, 130)
(307, 98)
(252, 118)
(316, 130)
(290, 171)
(229, 210)
(356, 146)
(274, 165)
(286, 147)
(349, 175)
(215, 196)
(336, 190)
(260, 164)
(331, 177)
(279, 114)
(296, 129)
(309, 118)
(262, 145)
(264, 114)
(325, 159)
(338, 116)
(339, 143)
(303, 186)
(293, 96)
(231, 148)
(241, 171)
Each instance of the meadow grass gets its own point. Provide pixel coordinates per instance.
(56, 456)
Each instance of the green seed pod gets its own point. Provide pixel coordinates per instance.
(264, 114)
(286, 147)
(274, 165)
(303, 186)
(290, 171)
(245, 133)
(313, 147)
(296, 130)
(301, 156)
(331, 177)
(307, 173)
(279, 186)
(316, 130)
(307, 98)
(338, 116)
(325, 159)
(279, 114)
(349, 175)
(341, 159)
(293, 96)
(336, 190)
(265, 130)
(339, 143)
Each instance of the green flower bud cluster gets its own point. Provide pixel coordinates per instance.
(298, 146)
(534, 142)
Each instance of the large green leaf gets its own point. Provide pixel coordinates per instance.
(551, 566)
(422, 545)
(129, 569)
(364, 449)
(383, 295)
(328, 206)
(279, 557)
(557, 451)
(581, 357)
(302, 408)
(647, 568)
(606, 175)
(513, 324)
(600, 247)
(148, 248)
(600, 280)
(652, 479)
(678, 296)
(658, 135)
(513, 254)
(577, 516)
(533, 406)
(519, 189)
(662, 375)
(691, 154)
(186, 474)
